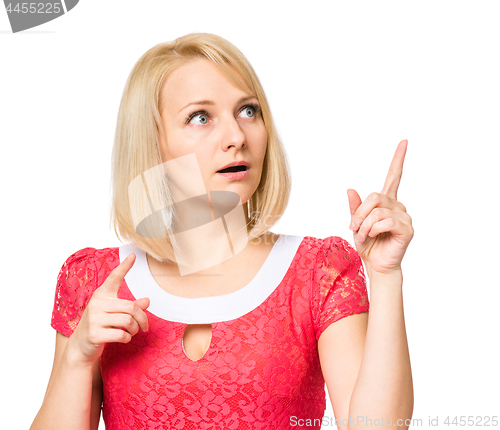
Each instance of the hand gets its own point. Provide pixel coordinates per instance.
(105, 315)
(381, 227)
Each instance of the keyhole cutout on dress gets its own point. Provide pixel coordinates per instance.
(196, 340)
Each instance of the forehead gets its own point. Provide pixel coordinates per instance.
(200, 79)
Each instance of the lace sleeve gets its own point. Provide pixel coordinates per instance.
(76, 282)
(339, 284)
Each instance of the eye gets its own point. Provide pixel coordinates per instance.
(199, 119)
(249, 111)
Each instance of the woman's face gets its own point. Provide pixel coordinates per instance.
(203, 113)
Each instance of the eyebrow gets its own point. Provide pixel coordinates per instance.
(210, 102)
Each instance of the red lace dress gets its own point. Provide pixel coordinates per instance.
(262, 369)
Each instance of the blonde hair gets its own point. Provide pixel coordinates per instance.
(136, 146)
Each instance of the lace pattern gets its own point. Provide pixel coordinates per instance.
(76, 282)
(260, 369)
(340, 281)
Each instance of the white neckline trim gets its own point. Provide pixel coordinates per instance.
(207, 310)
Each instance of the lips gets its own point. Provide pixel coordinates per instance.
(237, 166)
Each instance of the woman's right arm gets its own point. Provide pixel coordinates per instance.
(74, 393)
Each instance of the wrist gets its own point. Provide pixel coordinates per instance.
(392, 277)
(74, 358)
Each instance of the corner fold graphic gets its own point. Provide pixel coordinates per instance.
(70, 4)
(24, 15)
(203, 231)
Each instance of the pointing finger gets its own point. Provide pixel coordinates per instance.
(395, 171)
(115, 278)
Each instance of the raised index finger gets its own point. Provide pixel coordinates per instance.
(395, 171)
(112, 283)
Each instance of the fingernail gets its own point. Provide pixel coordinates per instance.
(352, 225)
(360, 238)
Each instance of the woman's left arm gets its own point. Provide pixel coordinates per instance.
(382, 389)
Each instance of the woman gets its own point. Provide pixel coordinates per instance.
(245, 339)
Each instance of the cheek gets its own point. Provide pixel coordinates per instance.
(261, 142)
(180, 144)
(205, 161)
(257, 134)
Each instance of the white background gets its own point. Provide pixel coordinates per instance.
(346, 81)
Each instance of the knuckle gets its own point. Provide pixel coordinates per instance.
(378, 213)
(129, 320)
(366, 222)
(144, 320)
(125, 336)
(130, 307)
(139, 319)
(375, 197)
(134, 330)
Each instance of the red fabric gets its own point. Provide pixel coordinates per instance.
(261, 369)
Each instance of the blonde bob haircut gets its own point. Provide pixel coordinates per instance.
(136, 146)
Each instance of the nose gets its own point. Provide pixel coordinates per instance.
(232, 134)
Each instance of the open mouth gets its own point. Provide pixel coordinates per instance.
(233, 169)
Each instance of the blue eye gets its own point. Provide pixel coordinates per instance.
(249, 110)
(203, 119)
